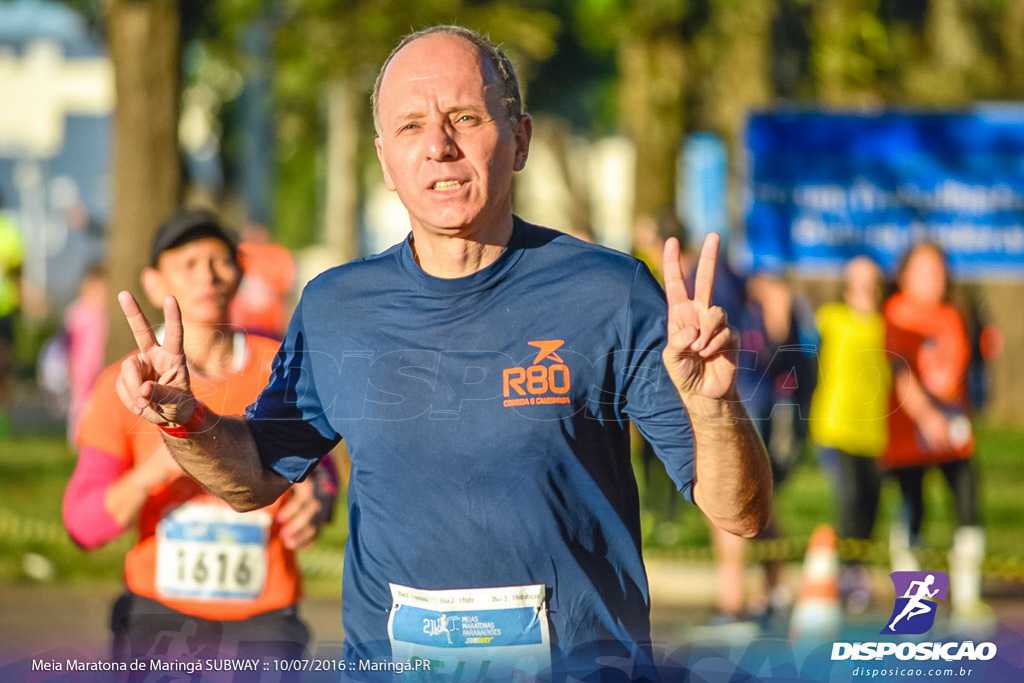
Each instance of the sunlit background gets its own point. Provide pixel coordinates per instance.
(804, 131)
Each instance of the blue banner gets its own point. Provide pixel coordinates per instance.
(826, 187)
(703, 187)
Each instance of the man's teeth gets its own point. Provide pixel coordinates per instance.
(447, 185)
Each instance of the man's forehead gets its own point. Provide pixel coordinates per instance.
(432, 42)
(432, 57)
(191, 244)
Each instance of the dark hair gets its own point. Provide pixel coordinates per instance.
(188, 225)
(511, 98)
(937, 249)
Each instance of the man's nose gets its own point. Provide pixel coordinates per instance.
(441, 142)
(208, 272)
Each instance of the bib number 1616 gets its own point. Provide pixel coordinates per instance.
(211, 558)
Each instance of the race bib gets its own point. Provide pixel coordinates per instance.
(472, 633)
(210, 552)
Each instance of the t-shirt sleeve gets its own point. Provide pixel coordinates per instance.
(106, 425)
(84, 508)
(900, 343)
(651, 400)
(954, 356)
(105, 453)
(288, 420)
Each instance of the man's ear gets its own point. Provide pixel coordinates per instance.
(523, 133)
(388, 182)
(153, 284)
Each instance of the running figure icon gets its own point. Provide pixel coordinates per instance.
(439, 627)
(917, 592)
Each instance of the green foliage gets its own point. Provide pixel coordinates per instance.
(806, 499)
(603, 24)
(34, 472)
(316, 42)
(654, 69)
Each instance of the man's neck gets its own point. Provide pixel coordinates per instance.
(452, 257)
(209, 347)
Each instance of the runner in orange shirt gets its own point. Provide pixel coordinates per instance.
(929, 423)
(199, 572)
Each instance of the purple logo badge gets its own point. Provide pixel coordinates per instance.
(917, 594)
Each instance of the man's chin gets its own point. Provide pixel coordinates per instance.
(205, 318)
(466, 226)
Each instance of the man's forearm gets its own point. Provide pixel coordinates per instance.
(733, 480)
(221, 455)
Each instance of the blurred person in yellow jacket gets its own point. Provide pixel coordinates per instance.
(12, 253)
(849, 423)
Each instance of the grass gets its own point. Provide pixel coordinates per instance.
(35, 470)
(805, 500)
(33, 474)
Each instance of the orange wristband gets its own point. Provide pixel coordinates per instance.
(193, 424)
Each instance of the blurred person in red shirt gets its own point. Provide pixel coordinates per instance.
(929, 423)
(262, 305)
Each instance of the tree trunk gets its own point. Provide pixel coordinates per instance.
(144, 43)
(653, 82)
(1012, 39)
(737, 60)
(344, 123)
(834, 40)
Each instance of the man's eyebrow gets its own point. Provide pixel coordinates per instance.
(468, 106)
(409, 115)
(402, 119)
(416, 114)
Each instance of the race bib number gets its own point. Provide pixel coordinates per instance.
(472, 633)
(211, 552)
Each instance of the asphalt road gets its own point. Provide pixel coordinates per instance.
(41, 619)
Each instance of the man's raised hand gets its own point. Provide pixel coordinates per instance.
(154, 383)
(701, 352)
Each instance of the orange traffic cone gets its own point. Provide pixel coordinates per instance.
(817, 612)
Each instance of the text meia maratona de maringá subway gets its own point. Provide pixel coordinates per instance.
(189, 667)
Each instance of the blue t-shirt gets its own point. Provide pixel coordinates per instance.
(487, 420)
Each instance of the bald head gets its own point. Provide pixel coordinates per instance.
(495, 67)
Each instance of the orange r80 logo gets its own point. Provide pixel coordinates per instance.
(537, 379)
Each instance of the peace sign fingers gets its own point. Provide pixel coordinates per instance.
(712, 319)
(679, 315)
(704, 280)
(174, 336)
(155, 382)
(174, 333)
(683, 311)
(697, 353)
(141, 329)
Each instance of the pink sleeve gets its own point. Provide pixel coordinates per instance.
(330, 471)
(85, 514)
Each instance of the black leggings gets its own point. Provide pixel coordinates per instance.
(859, 488)
(962, 479)
(146, 629)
